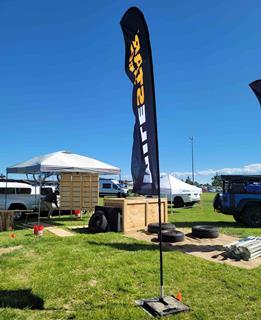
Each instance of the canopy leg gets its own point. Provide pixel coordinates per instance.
(6, 178)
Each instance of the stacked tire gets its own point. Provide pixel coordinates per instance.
(168, 232)
(171, 236)
(98, 222)
(205, 231)
(154, 227)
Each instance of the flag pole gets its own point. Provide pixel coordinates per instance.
(145, 155)
(158, 179)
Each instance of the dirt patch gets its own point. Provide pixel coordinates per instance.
(92, 283)
(8, 250)
(209, 249)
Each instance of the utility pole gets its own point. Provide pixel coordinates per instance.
(192, 156)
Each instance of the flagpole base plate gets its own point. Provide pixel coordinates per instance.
(159, 307)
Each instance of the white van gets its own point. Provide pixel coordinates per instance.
(111, 187)
(22, 196)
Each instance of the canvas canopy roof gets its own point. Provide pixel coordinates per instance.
(62, 161)
(171, 185)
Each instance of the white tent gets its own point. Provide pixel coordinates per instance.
(171, 185)
(62, 161)
(59, 162)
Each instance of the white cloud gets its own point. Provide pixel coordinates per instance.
(248, 169)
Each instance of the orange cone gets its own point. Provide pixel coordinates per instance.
(179, 296)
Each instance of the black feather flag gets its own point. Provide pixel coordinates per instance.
(139, 68)
(256, 87)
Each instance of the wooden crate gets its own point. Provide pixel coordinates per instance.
(79, 191)
(138, 212)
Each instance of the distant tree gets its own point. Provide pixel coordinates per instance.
(188, 180)
(216, 181)
(196, 184)
(2, 176)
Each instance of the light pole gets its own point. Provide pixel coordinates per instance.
(192, 156)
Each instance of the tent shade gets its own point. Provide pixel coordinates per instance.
(171, 185)
(62, 161)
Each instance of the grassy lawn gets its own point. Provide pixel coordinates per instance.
(100, 276)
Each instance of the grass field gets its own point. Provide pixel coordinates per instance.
(100, 276)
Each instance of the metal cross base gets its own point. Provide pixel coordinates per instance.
(159, 307)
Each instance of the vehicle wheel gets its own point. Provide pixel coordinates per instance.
(205, 231)
(178, 202)
(217, 202)
(154, 227)
(172, 236)
(238, 217)
(251, 216)
(188, 204)
(18, 215)
(98, 222)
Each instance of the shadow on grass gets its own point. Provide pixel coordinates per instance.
(69, 218)
(23, 224)
(54, 221)
(20, 299)
(188, 248)
(221, 224)
(82, 230)
(128, 246)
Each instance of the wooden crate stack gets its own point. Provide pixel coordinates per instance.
(79, 191)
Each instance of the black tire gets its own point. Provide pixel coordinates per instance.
(217, 202)
(205, 231)
(178, 202)
(18, 215)
(251, 215)
(188, 204)
(238, 217)
(154, 227)
(172, 236)
(98, 222)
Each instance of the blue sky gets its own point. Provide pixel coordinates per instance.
(63, 85)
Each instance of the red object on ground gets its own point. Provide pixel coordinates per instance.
(179, 296)
(12, 235)
(38, 230)
(77, 213)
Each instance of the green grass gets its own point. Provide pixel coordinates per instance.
(100, 276)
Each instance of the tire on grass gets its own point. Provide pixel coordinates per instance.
(217, 202)
(98, 222)
(238, 217)
(19, 215)
(178, 202)
(251, 215)
(154, 227)
(205, 231)
(172, 236)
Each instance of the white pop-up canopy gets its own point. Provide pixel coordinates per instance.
(62, 161)
(171, 185)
